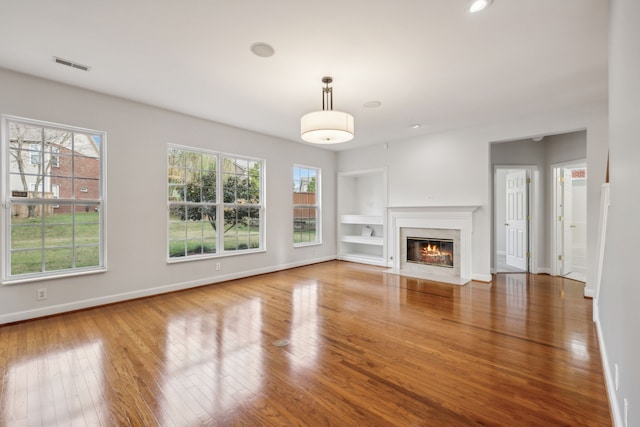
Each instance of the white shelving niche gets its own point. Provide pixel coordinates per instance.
(362, 198)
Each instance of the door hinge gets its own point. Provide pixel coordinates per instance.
(528, 180)
(528, 254)
(560, 258)
(528, 217)
(560, 218)
(562, 179)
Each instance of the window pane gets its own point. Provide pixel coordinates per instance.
(58, 259)
(86, 149)
(25, 262)
(59, 138)
(87, 189)
(194, 193)
(58, 235)
(176, 165)
(87, 256)
(177, 193)
(177, 248)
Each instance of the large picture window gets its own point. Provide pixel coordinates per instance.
(216, 203)
(50, 227)
(306, 205)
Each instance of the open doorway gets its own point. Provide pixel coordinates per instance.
(514, 202)
(570, 214)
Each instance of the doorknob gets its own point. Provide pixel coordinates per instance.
(507, 225)
(572, 226)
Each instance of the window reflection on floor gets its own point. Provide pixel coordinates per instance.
(304, 327)
(57, 388)
(214, 362)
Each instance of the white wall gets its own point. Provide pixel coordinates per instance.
(454, 168)
(619, 296)
(137, 138)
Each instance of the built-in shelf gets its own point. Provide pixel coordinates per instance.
(376, 241)
(361, 213)
(361, 219)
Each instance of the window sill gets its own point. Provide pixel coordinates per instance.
(177, 260)
(19, 280)
(304, 245)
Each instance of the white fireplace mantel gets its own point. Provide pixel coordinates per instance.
(438, 217)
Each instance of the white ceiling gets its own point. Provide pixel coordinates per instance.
(427, 61)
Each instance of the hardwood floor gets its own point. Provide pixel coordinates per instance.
(365, 348)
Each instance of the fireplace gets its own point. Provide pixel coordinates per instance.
(430, 251)
(414, 231)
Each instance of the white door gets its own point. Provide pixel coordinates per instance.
(516, 220)
(566, 265)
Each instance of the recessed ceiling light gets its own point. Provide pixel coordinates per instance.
(478, 5)
(262, 50)
(416, 126)
(372, 104)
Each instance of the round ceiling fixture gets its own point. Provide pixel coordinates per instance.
(415, 126)
(262, 50)
(327, 126)
(478, 5)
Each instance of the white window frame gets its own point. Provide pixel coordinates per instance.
(317, 206)
(9, 199)
(220, 206)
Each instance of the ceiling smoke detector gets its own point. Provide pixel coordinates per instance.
(262, 50)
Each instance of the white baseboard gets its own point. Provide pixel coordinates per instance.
(481, 277)
(110, 299)
(542, 270)
(608, 377)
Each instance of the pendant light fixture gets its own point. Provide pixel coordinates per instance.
(327, 126)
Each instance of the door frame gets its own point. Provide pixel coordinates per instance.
(534, 224)
(555, 267)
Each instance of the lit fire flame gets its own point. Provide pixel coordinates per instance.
(431, 250)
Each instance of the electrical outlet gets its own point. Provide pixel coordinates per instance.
(429, 198)
(616, 377)
(218, 266)
(42, 294)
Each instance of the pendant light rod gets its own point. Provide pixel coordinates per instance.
(327, 94)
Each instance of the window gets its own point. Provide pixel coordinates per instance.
(216, 203)
(306, 205)
(50, 228)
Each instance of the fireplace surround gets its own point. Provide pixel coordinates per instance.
(450, 223)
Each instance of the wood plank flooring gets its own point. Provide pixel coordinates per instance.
(365, 348)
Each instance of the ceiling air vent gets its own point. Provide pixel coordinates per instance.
(70, 64)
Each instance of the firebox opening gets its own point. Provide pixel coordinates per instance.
(429, 251)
